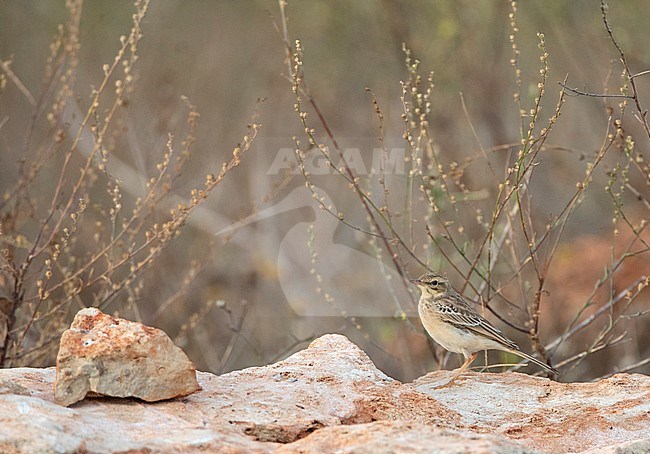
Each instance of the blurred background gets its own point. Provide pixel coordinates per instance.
(260, 270)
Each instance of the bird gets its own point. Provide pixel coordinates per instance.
(454, 324)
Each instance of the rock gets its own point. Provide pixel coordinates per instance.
(330, 397)
(398, 436)
(560, 417)
(117, 357)
(11, 387)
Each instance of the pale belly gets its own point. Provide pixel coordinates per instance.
(451, 338)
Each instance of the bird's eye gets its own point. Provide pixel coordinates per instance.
(434, 283)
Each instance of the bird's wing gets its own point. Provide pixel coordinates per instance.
(464, 316)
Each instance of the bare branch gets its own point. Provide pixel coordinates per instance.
(593, 95)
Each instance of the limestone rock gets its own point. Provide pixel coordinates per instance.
(560, 417)
(120, 358)
(330, 397)
(11, 387)
(399, 437)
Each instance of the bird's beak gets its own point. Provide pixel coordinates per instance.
(414, 281)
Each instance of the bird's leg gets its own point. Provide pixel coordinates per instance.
(461, 369)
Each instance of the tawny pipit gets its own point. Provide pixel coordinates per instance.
(454, 323)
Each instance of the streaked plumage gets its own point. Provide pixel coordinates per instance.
(453, 323)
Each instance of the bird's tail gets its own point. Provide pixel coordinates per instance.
(544, 366)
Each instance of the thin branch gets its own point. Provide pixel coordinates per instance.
(642, 73)
(628, 368)
(21, 87)
(580, 356)
(642, 281)
(592, 95)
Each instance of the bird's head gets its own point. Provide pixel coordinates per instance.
(432, 284)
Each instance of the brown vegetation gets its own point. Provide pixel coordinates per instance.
(538, 210)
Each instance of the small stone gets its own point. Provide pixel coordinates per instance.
(116, 357)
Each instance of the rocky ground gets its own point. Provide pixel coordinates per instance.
(331, 398)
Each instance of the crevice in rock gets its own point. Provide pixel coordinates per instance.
(271, 433)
